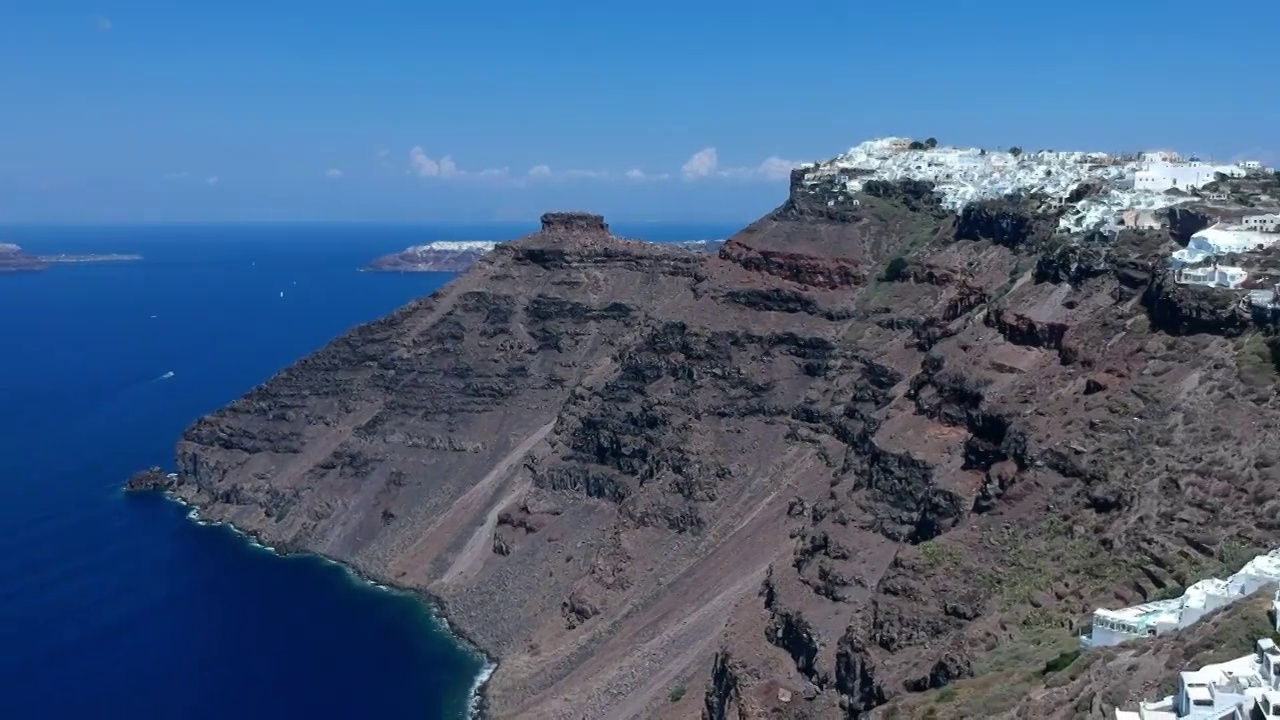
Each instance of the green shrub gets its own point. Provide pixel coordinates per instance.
(1060, 663)
(894, 270)
(676, 694)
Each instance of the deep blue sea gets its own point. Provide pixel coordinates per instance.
(115, 606)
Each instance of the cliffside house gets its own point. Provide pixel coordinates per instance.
(1241, 689)
(1152, 619)
(1223, 276)
(1161, 176)
(1222, 239)
(1269, 222)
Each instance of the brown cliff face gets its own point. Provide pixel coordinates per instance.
(865, 453)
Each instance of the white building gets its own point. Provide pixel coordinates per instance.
(1251, 165)
(1112, 627)
(1161, 176)
(1269, 223)
(1222, 239)
(1240, 689)
(1263, 299)
(1223, 276)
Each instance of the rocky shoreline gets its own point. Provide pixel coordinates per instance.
(156, 480)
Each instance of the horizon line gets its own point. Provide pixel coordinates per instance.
(401, 223)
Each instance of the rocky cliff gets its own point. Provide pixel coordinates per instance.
(873, 452)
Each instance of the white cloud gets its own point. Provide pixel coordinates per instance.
(333, 173)
(775, 168)
(423, 166)
(212, 180)
(638, 175)
(705, 163)
(544, 172)
(103, 23)
(702, 164)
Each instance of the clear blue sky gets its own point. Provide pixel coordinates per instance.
(127, 110)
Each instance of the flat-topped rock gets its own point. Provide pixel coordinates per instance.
(574, 222)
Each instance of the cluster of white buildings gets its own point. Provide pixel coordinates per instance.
(1112, 627)
(963, 175)
(476, 246)
(1197, 263)
(1240, 689)
(1125, 191)
(1164, 171)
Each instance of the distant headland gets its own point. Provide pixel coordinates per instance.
(455, 256)
(14, 259)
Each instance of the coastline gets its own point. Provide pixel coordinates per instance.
(477, 702)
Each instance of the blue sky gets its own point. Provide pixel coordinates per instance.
(160, 110)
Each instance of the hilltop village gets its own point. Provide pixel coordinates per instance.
(1100, 193)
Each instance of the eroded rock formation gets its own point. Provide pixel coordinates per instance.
(869, 452)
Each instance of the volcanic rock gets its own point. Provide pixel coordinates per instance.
(864, 454)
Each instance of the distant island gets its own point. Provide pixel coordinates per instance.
(456, 256)
(14, 259)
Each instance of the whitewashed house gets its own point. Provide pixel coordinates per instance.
(1222, 276)
(1222, 239)
(1268, 223)
(1161, 176)
(1240, 689)
(1112, 627)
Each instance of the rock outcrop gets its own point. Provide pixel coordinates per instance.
(148, 480)
(13, 259)
(870, 452)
